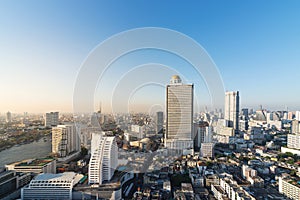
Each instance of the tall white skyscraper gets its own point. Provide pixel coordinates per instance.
(297, 115)
(104, 158)
(51, 119)
(65, 140)
(232, 109)
(295, 126)
(179, 117)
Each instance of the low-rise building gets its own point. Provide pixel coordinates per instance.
(10, 181)
(35, 166)
(56, 186)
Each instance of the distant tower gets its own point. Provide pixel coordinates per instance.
(179, 116)
(232, 109)
(52, 119)
(159, 122)
(8, 117)
(297, 115)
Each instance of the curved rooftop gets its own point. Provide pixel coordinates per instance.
(175, 79)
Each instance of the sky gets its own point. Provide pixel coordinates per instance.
(43, 44)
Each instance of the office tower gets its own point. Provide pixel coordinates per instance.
(8, 117)
(159, 122)
(202, 133)
(297, 115)
(51, 186)
(65, 140)
(244, 125)
(295, 126)
(51, 119)
(179, 115)
(245, 113)
(104, 158)
(95, 120)
(232, 109)
(290, 116)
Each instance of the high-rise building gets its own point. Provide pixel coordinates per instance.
(51, 119)
(295, 126)
(179, 114)
(297, 115)
(104, 158)
(159, 122)
(245, 113)
(202, 134)
(65, 140)
(8, 117)
(232, 109)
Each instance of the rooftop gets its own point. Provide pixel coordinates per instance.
(35, 162)
(62, 176)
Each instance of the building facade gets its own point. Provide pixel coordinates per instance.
(8, 117)
(295, 126)
(51, 186)
(293, 141)
(289, 188)
(179, 117)
(35, 166)
(65, 140)
(159, 122)
(51, 119)
(104, 158)
(232, 109)
(10, 181)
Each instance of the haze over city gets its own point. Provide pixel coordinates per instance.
(43, 45)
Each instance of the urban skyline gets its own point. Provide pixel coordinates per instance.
(149, 100)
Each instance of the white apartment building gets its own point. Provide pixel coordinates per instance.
(65, 140)
(232, 109)
(104, 159)
(293, 141)
(289, 188)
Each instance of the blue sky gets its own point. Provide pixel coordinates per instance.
(255, 45)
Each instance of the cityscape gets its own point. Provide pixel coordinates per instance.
(143, 127)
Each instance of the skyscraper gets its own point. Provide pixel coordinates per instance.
(65, 140)
(51, 119)
(232, 109)
(179, 114)
(159, 122)
(297, 115)
(8, 117)
(295, 126)
(104, 158)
